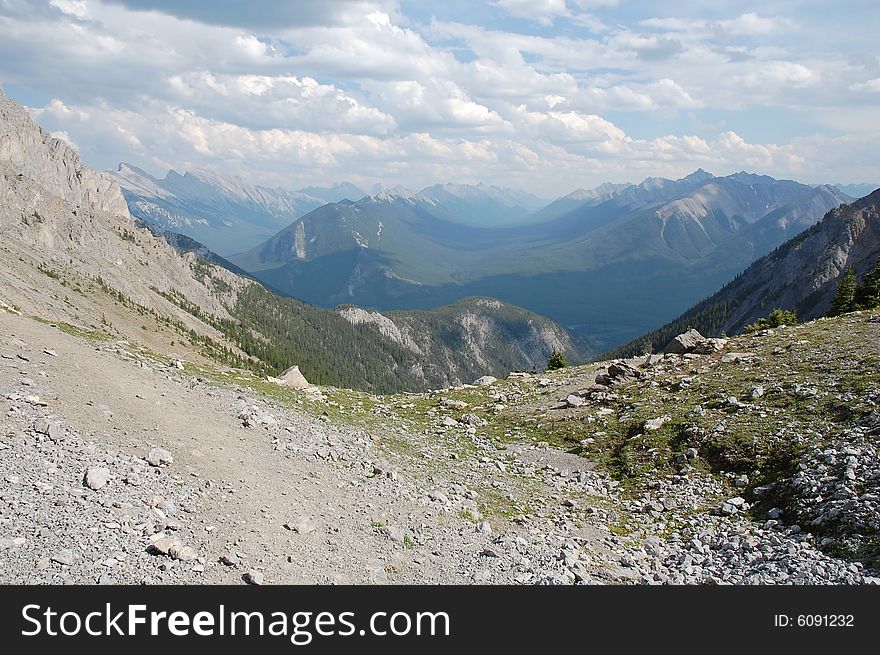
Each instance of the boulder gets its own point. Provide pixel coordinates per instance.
(293, 378)
(709, 346)
(617, 373)
(684, 343)
(253, 416)
(485, 381)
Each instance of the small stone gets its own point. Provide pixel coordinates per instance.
(97, 478)
(183, 553)
(254, 577)
(159, 457)
(301, 525)
(574, 400)
(64, 556)
(732, 358)
(438, 496)
(230, 560)
(163, 544)
(657, 423)
(395, 533)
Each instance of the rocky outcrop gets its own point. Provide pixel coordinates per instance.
(693, 342)
(64, 226)
(684, 343)
(29, 151)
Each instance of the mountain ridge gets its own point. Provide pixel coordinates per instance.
(74, 256)
(800, 276)
(674, 240)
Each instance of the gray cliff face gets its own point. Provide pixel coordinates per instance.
(63, 224)
(30, 151)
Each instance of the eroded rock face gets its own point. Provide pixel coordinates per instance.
(34, 153)
(59, 218)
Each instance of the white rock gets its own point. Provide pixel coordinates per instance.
(301, 525)
(657, 423)
(159, 457)
(254, 577)
(97, 478)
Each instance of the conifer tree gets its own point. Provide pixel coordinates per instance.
(867, 294)
(556, 360)
(845, 299)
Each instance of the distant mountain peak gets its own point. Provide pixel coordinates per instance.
(335, 192)
(697, 176)
(752, 178)
(221, 210)
(605, 189)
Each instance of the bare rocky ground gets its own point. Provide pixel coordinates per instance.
(294, 500)
(262, 484)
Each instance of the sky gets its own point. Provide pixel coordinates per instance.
(541, 95)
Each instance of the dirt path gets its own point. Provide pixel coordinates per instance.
(356, 524)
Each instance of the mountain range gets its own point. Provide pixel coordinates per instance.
(222, 212)
(617, 255)
(73, 256)
(609, 263)
(229, 215)
(800, 276)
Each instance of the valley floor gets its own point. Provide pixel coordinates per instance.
(270, 485)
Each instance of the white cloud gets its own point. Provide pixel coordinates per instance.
(751, 24)
(869, 86)
(358, 90)
(777, 74)
(541, 11)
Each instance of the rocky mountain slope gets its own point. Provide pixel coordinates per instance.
(617, 263)
(800, 276)
(754, 463)
(73, 254)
